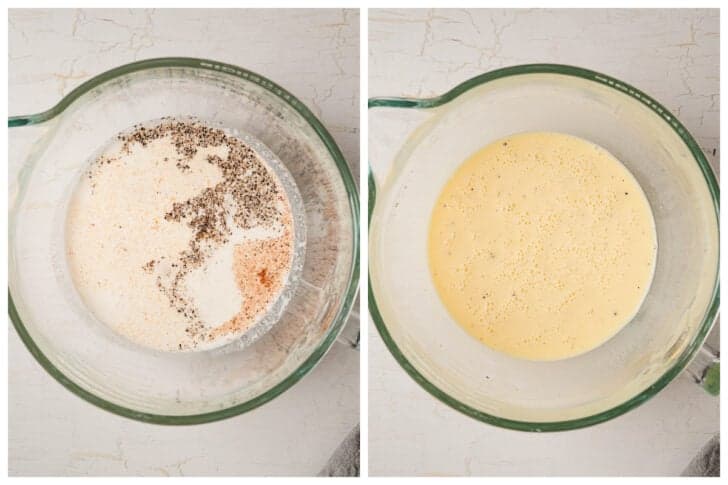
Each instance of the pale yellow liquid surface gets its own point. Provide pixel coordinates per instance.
(542, 246)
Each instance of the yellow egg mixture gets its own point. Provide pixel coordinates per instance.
(542, 246)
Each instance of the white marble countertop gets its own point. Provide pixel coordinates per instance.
(315, 55)
(672, 55)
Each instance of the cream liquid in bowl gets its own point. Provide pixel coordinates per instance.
(542, 246)
(181, 237)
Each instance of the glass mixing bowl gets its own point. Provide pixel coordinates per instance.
(161, 387)
(423, 145)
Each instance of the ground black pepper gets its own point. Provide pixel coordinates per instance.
(248, 196)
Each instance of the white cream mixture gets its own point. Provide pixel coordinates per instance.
(124, 252)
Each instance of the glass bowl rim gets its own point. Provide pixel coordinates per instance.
(711, 309)
(348, 296)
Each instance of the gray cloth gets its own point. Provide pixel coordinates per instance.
(345, 460)
(707, 462)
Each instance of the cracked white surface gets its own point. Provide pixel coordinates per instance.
(315, 55)
(671, 55)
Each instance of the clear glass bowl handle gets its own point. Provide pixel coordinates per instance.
(350, 335)
(705, 369)
(23, 144)
(388, 133)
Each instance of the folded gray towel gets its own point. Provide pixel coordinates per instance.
(345, 460)
(707, 462)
